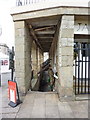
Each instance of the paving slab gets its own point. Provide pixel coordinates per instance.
(65, 110)
(44, 105)
(80, 114)
(52, 111)
(26, 107)
(47, 105)
(10, 115)
(7, 111)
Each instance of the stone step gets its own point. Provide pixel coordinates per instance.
(38, 92)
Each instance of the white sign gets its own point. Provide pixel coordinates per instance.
(12, 96)
(82, 27)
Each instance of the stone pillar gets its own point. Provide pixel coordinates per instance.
(65, 58)
(23, 43)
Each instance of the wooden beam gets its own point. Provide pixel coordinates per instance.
(45, 46)
(44, 28)
(79, 36)
(44, 21)
(45, 35)
(47, 42)
(45, 39)
(35, 37)
(45, 32)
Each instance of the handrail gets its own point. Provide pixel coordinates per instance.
(27, 2)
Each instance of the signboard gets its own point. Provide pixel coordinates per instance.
(82, 27)
(12, 91)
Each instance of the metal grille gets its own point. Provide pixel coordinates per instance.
(82, 68)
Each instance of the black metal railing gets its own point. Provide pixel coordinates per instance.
(27, 2)
(82, 68)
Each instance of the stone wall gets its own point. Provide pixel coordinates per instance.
(34, 59)
(53, 54)
(37, 58)
(40, 58)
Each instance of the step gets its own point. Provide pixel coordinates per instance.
(82, 97)
(39, 92)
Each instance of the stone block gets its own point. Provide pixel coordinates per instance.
(19, 40)
(19, 55)
(67, 33)
(67, 51)
(70, 42)
(27, 85)
(68, 17)
(20, 63)
(66, 76)
(20, 32)
(67, 24)
(64, 41)
(59, 60)
(66, 94)
(20, 74)
(22, 90)
(20, 48)
(20, 68)
(67, 61)
(19, 24)
(67, 42)
(80, 11)
(21, 84)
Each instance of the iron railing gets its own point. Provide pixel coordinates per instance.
(82, 68)
(27, 2)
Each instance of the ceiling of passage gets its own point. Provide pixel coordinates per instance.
(43, 30)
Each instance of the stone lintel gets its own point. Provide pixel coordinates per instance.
(50, 12)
